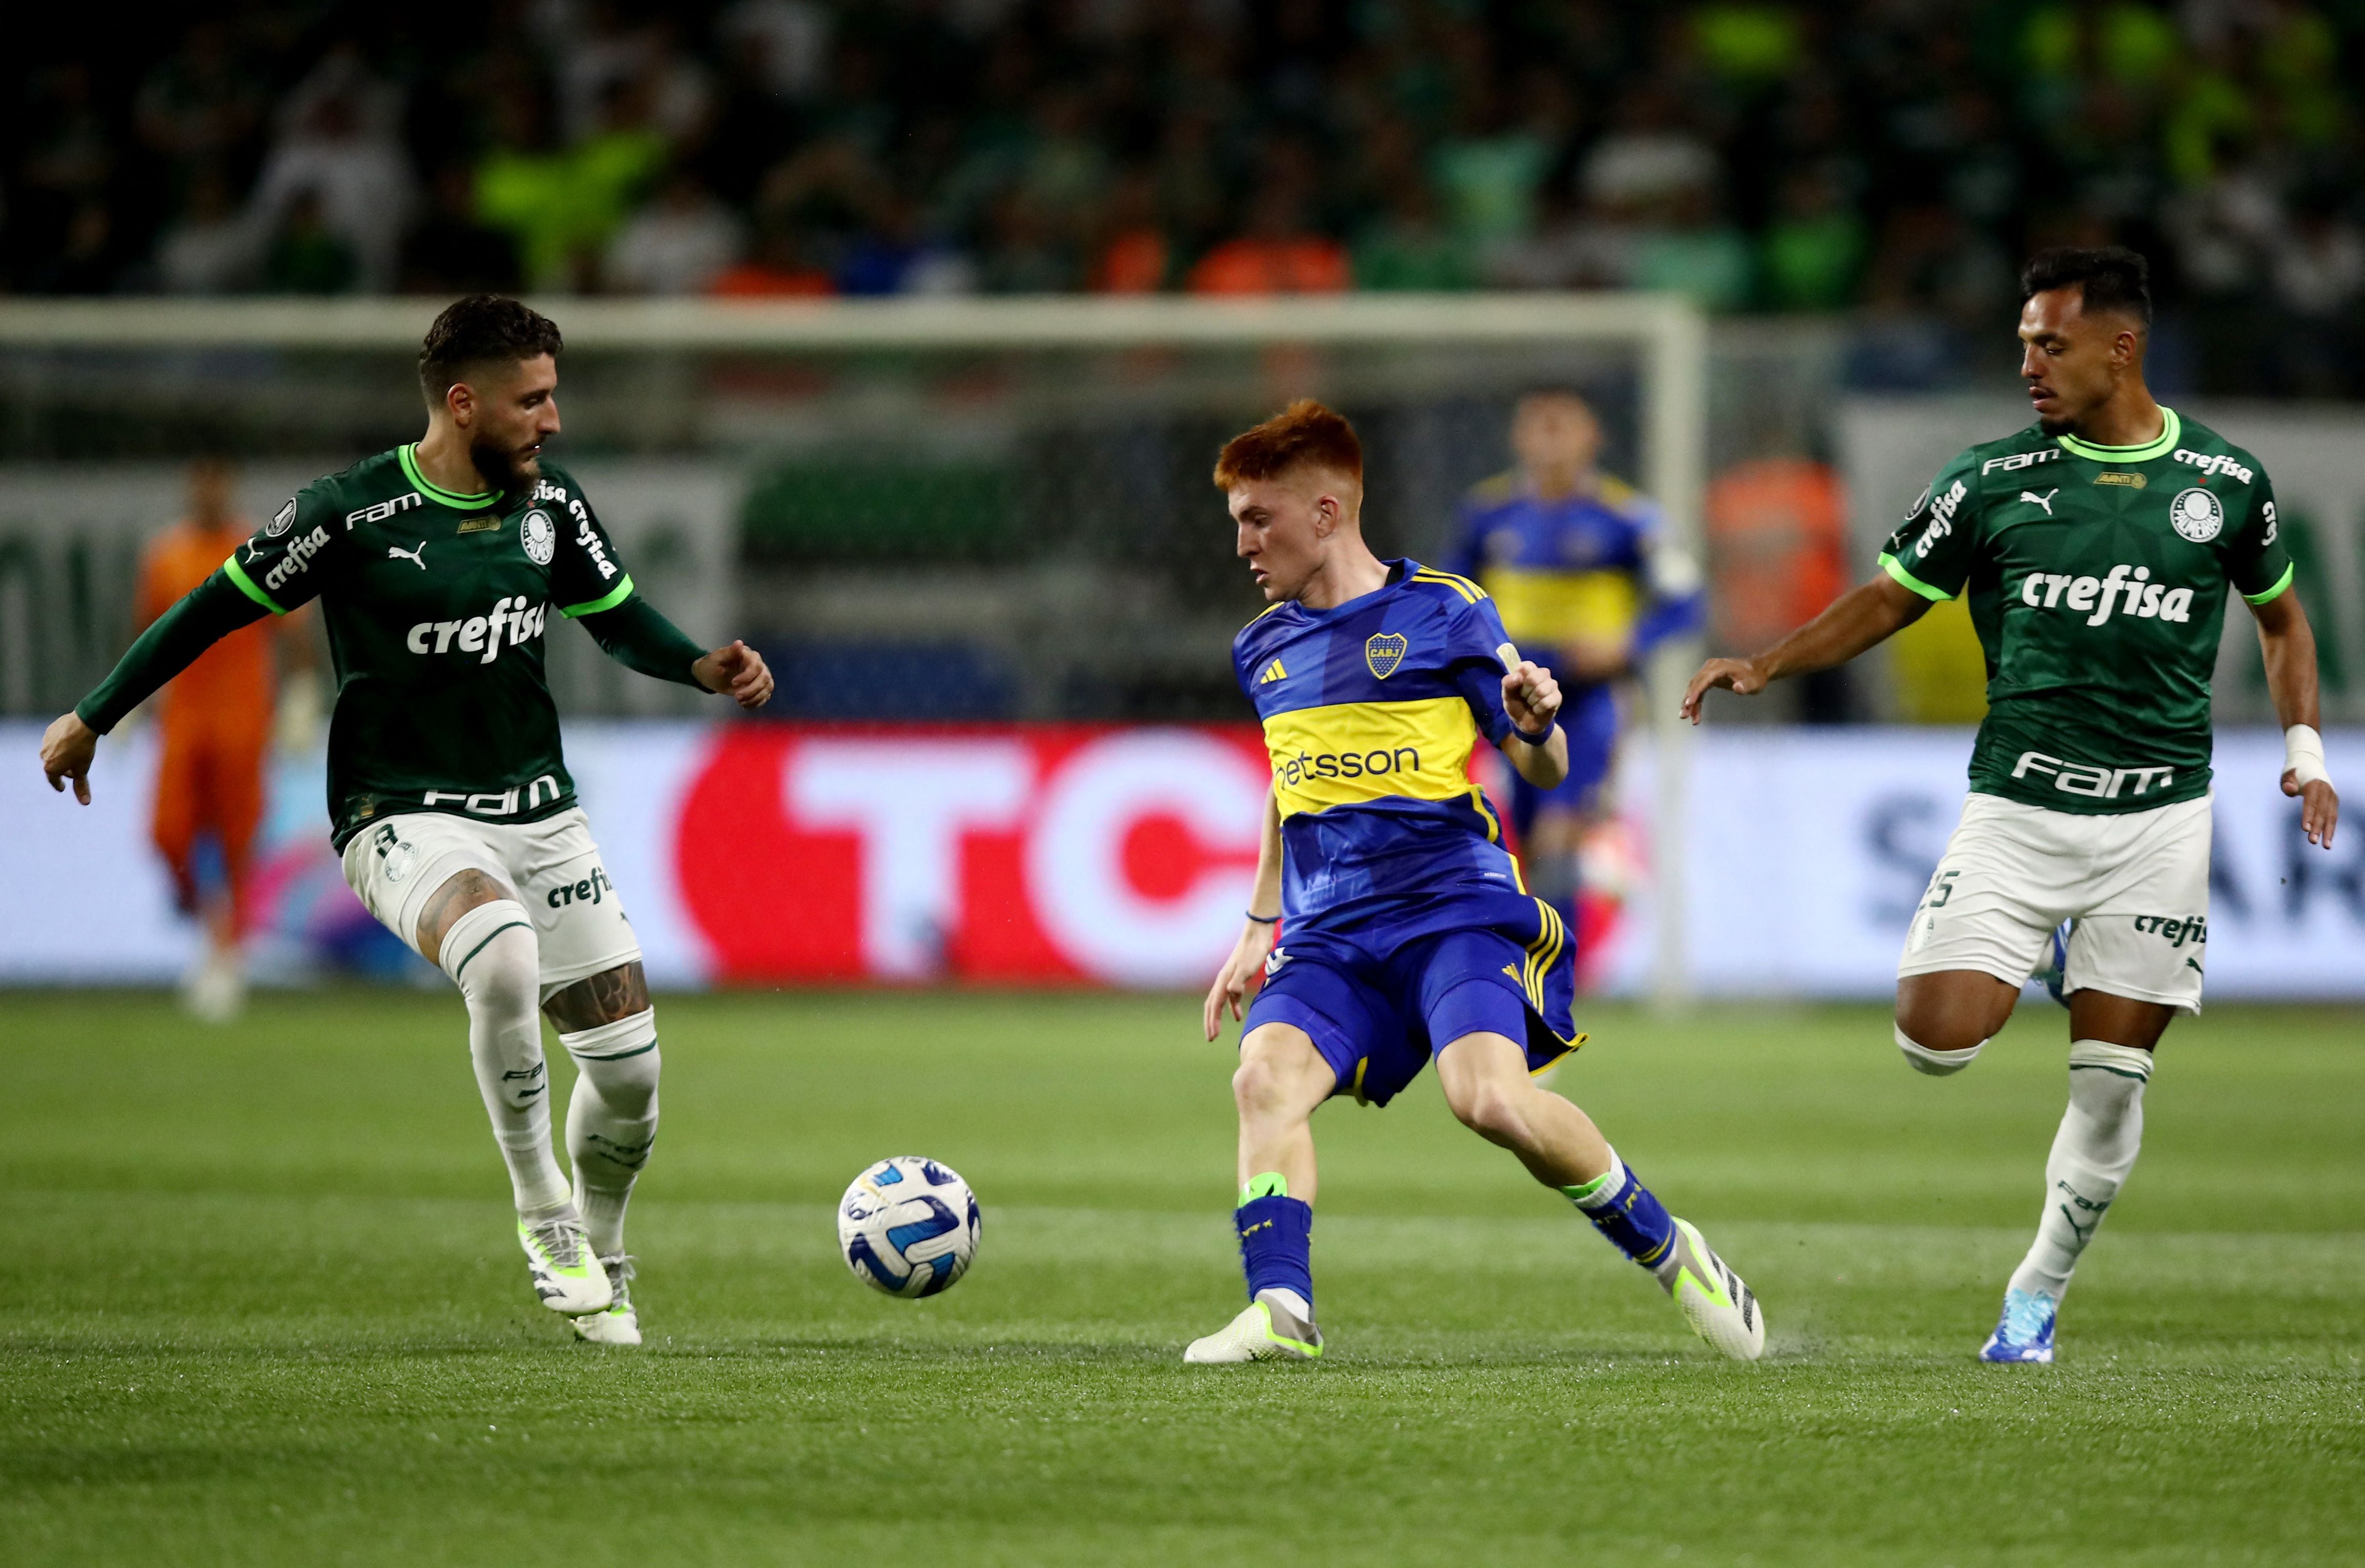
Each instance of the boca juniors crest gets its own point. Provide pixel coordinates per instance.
(1384, 650)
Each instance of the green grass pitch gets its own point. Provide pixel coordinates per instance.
(259, 1303)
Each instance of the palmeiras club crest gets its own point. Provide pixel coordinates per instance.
(539, 535)
(2196, 514)
(1384, 650)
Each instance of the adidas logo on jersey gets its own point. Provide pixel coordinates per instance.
(2129, 590)
(1272, 672)
(481, 634)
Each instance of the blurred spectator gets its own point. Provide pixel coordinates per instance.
(779, 269)
(679, 243)
(338, 155)
(454, 251)
(1815, 247)
(196, 109)
(1278, 250)
(211, 247)
(306, 255)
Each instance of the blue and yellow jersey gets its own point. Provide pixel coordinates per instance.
(1586, 570)
(1371, 712)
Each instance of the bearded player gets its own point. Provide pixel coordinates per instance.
(2098, 548)
(1409, 933)
(436, 566)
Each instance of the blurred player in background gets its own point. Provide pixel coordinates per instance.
(2098, 549)
(1574, 560)
(216, 721)
(1410, 935)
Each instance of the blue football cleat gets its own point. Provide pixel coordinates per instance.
(2054, 969)
(2024, 1333)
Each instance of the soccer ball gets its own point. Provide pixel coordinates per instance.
(908, 1227)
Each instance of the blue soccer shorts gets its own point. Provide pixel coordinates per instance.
(1589, 719)
(1378, 1017)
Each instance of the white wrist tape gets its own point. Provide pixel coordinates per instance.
(2303, 755)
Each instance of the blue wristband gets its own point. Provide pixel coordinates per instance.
(1544, 739)
(1262, 919)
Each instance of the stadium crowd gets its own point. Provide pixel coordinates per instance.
(1895, 155)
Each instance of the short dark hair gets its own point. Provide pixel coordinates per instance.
(2109, 278)
(483, 329)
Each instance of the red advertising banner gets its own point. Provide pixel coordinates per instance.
(1056, 853)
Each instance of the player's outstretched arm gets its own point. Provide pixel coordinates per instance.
(1857, 619)
(2288, 642)
(1241, 971)
(198, 619)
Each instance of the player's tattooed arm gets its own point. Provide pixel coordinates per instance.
(1858, 619)
(607, 997)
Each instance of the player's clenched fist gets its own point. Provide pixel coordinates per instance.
(1530, 696)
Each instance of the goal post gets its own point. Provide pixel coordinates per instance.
(1404, 342)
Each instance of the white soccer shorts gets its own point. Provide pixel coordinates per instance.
(2136, 884)
(552, 867)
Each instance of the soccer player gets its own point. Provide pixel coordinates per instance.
(437, 565)
(2096, 548)
(1409, 932)
(215, 724)
(1575, 562)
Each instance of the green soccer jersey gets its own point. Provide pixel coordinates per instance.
(436, 605)
(2097, 580)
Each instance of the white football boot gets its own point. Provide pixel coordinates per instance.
(1719, 1308)
(1278, 1325)
(567, 1275)
(620, 1325)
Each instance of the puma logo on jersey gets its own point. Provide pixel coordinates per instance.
(2132, 592)
(416, 558)
(1272, 672)
(2044, 501)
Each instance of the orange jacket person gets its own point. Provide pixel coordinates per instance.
(216, 721)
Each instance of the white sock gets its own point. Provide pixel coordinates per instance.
(1937, 1064)
(490, 953)
(2100, 1134)
(612, 1120)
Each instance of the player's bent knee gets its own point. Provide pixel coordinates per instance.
(491, 954)
(1937, 1061)
(595, 1000)
(1491, 1109)
(621, 1063)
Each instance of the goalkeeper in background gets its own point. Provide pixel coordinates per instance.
(1575, 561)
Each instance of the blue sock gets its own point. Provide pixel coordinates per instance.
(1622, 1209)
(1276, 1239)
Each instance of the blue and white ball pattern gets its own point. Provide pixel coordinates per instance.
(909, 1227)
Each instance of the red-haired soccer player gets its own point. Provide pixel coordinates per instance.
(1410, 931)
(215, 722)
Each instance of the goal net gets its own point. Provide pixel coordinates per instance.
(962, 511)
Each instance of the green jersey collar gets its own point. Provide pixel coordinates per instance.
(438, 494)
(2171, 429)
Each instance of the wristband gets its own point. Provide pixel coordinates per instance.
(1262, 919)
(2303, 755)
(1544, 739)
